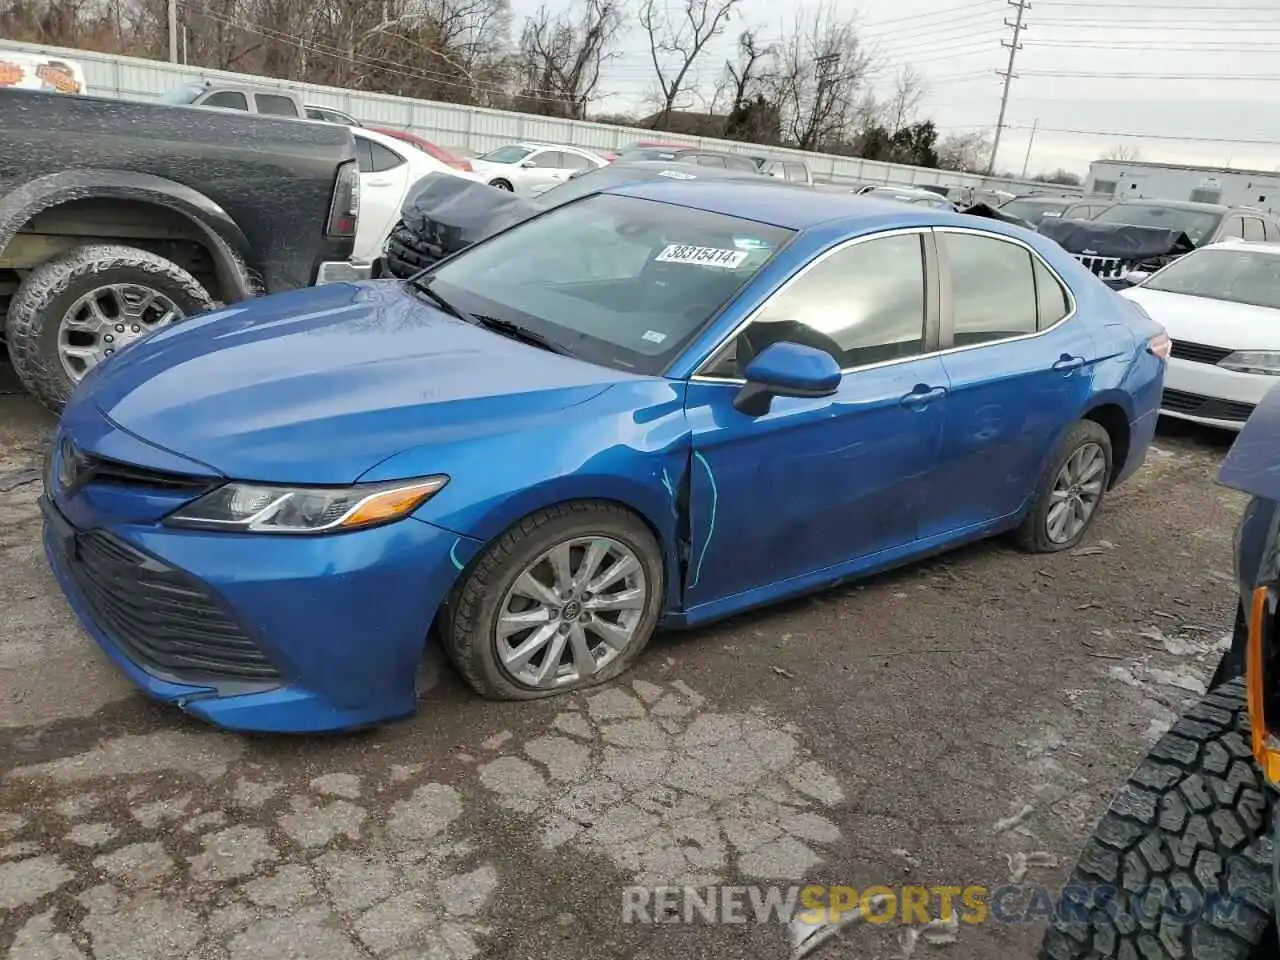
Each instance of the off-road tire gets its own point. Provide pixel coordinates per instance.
(1031, 533)
(37, 309)
(1193, 817)
(467, 623)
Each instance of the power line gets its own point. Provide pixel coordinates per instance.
(1271, 26)
(1193, 8)
(1174, 138)
(1014, 46)
(1221, 46)
(1215, 77)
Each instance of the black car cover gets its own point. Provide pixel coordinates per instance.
(1120, 240)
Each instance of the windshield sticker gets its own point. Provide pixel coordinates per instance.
(749, 243)
(702, 256)
(677, 175)
(653, 336)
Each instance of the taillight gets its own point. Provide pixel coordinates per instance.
(463, 165)
(1160, 345)
(344, 212)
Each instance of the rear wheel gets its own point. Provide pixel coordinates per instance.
(1180, 867)
(1070, 492)
(565, 599)
(502, 185)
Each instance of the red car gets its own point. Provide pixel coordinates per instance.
(426, 146)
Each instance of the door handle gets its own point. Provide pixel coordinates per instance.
(1068, 363)
(919, 398)
(379, 183)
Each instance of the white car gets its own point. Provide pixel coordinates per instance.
(388, 169)
(529, 169)
(1221, 307)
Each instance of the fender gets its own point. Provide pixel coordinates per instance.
(226, 241)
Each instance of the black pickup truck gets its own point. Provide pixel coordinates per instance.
(119, 217)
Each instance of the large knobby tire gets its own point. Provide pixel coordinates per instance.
(1033, 533)
(40, 307)
(1191, 826)
(469, 624)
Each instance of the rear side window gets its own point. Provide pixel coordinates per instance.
(364, 154)
(276, 106)
(1052, 302)
(227, 99)
(707, 160)
(739, 163)
(993, 289)
(1253, 229)
(383, 158)
(796, 172)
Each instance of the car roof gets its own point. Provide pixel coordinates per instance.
(780, 205)
(1191, 205)
(1250, 246)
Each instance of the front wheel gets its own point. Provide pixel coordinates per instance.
(565, 599)
(1180, 867)
(1070, 492)
(503, 185)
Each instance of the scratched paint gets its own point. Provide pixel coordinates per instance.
(711, 520)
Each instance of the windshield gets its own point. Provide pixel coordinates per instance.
(1033, 211)
(619, 281)
(1222, 273)
(507, 154)
(1198, 225)
(186, 93)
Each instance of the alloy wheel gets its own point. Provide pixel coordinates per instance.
(108, 319)
(571, 612)
(1076, 492)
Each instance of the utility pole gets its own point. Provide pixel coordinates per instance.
(1026, 162)
(1014, 45)
(173, 31)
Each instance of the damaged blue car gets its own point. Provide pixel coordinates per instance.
(656, 405)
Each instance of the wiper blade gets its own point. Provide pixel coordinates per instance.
(423, 286)
(517, 332)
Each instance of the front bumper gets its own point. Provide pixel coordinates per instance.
(1206, 393)
(316, 634)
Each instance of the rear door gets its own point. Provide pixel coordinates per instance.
(547, 170)
(384, 175)
(1020, 367)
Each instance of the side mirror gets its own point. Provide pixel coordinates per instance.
(1135, 277)
(786, 370)
(528, 164)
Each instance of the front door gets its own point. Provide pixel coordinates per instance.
(815, 483)
(1019, 380)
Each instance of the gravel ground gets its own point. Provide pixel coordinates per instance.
(952, 723)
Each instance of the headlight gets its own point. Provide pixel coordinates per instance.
(1253, 361)
(263, 508)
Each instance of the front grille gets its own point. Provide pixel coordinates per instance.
(1108, 268)
(1198, 352)
(1197, 405)
(162, 619)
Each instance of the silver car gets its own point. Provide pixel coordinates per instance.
(529, 169)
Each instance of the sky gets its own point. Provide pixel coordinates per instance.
(1181, 81)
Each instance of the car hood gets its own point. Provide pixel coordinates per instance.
(1217, 323)
(320, 385)
(1252, 465)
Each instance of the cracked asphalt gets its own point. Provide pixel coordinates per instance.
(958, 722)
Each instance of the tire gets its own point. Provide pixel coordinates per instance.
(468, 628)
(1193, 818)
(502, 185)
(41, 305)
(1033, 532)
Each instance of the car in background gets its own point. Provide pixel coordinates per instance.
(447, 157)
(641, 363)
(1032, 209)
(926, 198)
(701, 156)
(529, 169)
(1220, 305)
(793, 171)
(389, 167)
(329, 115)
(1202, 223)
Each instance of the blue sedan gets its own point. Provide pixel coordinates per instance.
(654, 406)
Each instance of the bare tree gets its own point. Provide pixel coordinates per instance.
(676, 42)
(966, 152)
(1124, 153)
(903, 104)
(820, 85)
(561, 56)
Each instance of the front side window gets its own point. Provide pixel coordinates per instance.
(993, 289)
(275, 105)
(184, 94)
(547, 160)
(615, 280)
(1223, 273)
(227, 99)
(1253, 229)
(863, 304)
(797, 173)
